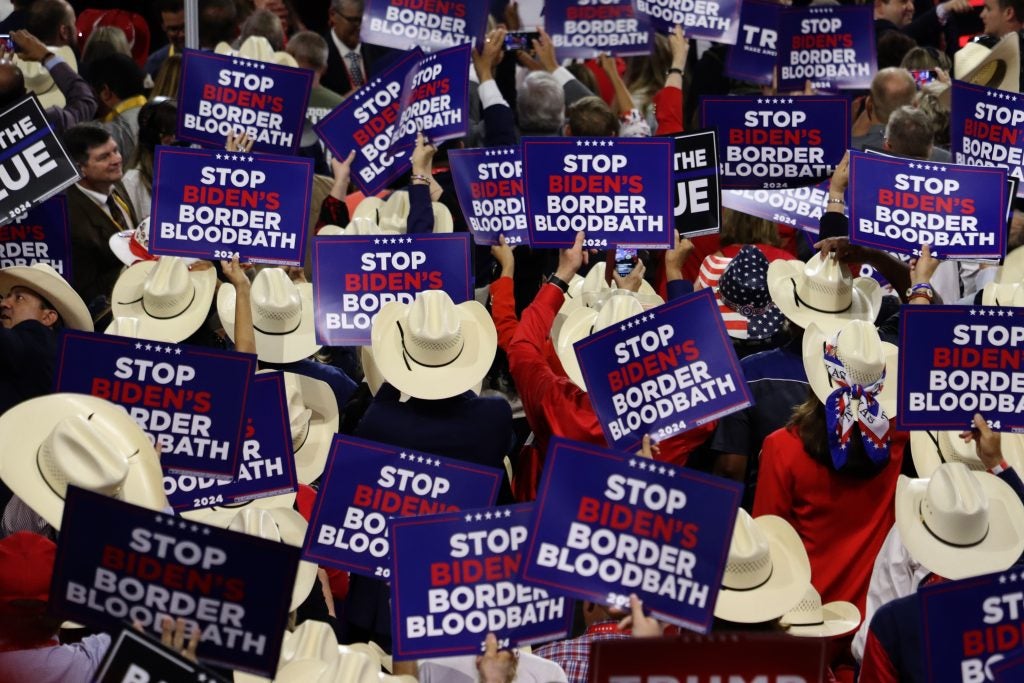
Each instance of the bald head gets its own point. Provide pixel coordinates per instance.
(891, 88)
(12, 85)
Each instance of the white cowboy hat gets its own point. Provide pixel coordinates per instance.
(997, 68)
(811, 619)
(931, 449)
(282, 315)
(38, 79)
(132, 246)
(573, 300)
(767, 572)
(313, 416)
(959, 523)
(1003, 294)
(822, 291)
(595, 288)
(374, 380)
(585, 321)
(259, 49)
(314, 642)
(357, 226)
(863, 354)
(124, 327)
(348, 666)
(42, 279)
(1012, 270)
(170, 300)
(433, 348)
(393, 215)
(55, 441)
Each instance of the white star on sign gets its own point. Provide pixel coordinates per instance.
(469, 518)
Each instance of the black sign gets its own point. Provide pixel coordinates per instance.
(695, 172)
(136, 658)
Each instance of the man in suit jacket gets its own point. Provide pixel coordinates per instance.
(345, 72)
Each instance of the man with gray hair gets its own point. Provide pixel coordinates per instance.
(540, 104)
(909, 133)
(350, 63)
(310, 52)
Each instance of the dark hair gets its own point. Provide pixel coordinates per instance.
(808, 420)
(157, 118)
(12, 85)
(170, 6)
(892, 47)
(80, 139)
(118, 72)
(1016, 5)
(218, 22)
(591, 116)
(45, 19)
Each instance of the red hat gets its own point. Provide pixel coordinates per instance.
(135, 28)
(26, 567)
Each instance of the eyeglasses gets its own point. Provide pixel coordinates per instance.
(357, 19)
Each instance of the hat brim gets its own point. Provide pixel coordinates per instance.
(578, 325)
(54, 289)
(998, 68)
(594, 286)
(1002, 294)
(1001, 547)
(924, 449)
(120, 246)
(311, 454)
(840, 618)
(294, 346)
(23, 429)
(127, 302)
(771, 321)
(784, 278)
(818, 379)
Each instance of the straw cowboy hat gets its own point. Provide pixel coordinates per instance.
(313, 416)
(960, 523)
(55, 441)
(767, 572)
(39, 81)
(822, 291)
(1012, 270)
(811, 619)
(864, 357)
(595, 288)
(132, 246)
(584, 322)
(170, 300)
(393, 215)
(42, 279)
(743, 298)
(1003, 294)
(259, 49)
(433, 348)
(282, 315)
(931, 449)
(998, 67)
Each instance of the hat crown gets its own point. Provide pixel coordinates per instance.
(86, 452)
(1003, 294)
(276, 302)
(311, 640)
(859, 348)
(616, 309)
(745, 279)
(168, 289)
(299, 415)
(955, 508)
(256, 522)
(434, 337)
(750, 561)
(808, 612)
(952, 448)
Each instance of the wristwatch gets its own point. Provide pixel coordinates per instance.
(558, 282)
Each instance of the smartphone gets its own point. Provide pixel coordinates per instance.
(923, 76)
(520, 40)
(6, 43)
(625, 261)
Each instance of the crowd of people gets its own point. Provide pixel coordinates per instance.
(843, 517)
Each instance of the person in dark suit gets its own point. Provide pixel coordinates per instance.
(350, 63)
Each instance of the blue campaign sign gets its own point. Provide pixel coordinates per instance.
(189, 399)
(1009, 670)
(146, 565)
(753, 57)
(367, 483)
(619, 191)
(220, 95)
(899, 204)
(435, 99)
(489, 185)
(801, 207)
(583, 29)
(594, 502)
(268, 461)
(212, 205)
(714, 20)
(354, 277)
(408, 24)
(647, 376)
(986, 128)
(956, 361)
(832, 47)
(777, 142)
(40, 236)
(456, 579)
(695, 174)
(364, 122)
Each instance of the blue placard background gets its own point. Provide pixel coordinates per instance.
(351, 284)
(267, 467)
(245, 581)
(694, 535)
(1011, 669)
(261, 191)
(405, 24)
(882, 187)
(607, 176)
(40, 236)
(435, 99)
(219, 94)
(697, 195)
(846, 33)
(582, 29)
(715, 21)
(489, 185)
(193, 385)
(753, 57)
(811, 133)
(625, 366)
(801, 207)
(467, 551)
(986, 128)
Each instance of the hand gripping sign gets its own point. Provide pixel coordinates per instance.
(695, 172)
(899, 204)
(753, 57)
(801, 207)
(456, 579)
(715, 20)
(190, 400)
(40, 236)
(583, 29)
(366, 483)
(407, 24)
(986, 128)
(662, 372)
(777, 142)
(213, 205)
(832, 47)
(489, 185)
(267, 467)
(618, 191)
(146, 566)
(609, 524)
(222, 95)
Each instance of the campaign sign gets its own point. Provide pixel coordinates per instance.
(777, 142)
(366, 483)
(695, 173)
(33, 164)
(189, 399)
(213, 205)
(801, 207)
(435, 99)
(268, 462)
(407, 24)
(899, 204)
(832, 47)
(718, 657)
(662, 372)
(456, 579)
(137, 658)
(956, 361)
(489, 185)
(364, 122)
(147, 565)
(715, 20)
(986, 128)
(594, 502)
(753, 57)
(616, 190)
(583, 29)
(1009, 670)
(40, 236)
(354, 277)
(221, 95)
